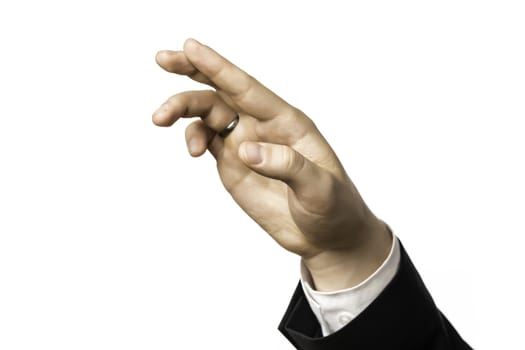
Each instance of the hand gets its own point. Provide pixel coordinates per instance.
(278, 168)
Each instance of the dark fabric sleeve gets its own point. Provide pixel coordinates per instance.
(403, 316)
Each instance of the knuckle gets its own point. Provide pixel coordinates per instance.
(300, 124)
(293, 162)
(287, 159)
(246, 86)
(306, 121)
(292, 115)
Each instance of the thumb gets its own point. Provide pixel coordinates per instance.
(283, 163)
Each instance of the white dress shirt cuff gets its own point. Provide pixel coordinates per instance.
(336, 309)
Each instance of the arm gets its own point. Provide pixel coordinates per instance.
(278, 168)
(282, 172)
(403, 316)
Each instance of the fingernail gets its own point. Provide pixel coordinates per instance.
(253, 153)
(160, 54)
(161, 109)
(191, 42)
(193, 146)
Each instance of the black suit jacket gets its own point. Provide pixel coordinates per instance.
(403, 316)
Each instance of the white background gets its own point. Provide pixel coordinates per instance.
(112, 237)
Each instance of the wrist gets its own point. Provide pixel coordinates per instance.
(337, 269)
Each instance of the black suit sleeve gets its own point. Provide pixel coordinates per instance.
(403, 316)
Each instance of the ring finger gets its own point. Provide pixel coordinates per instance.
(215, 113)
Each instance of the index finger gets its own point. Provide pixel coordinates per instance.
(245, 91)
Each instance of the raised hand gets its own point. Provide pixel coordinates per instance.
(277, 166)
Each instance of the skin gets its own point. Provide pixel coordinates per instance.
(277, 167)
